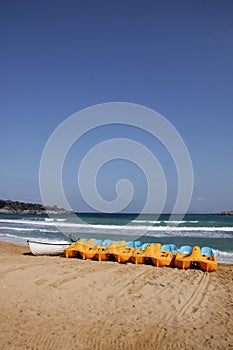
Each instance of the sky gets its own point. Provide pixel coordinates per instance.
(174, 57)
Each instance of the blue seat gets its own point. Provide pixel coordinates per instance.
(137, 244)
(106, 242)
(97, 242)
(134, 244)
(129, 244)
(143, 246)
(168, 248)
(207, 251)
(185, 249)
(165, 248)
(173, 248)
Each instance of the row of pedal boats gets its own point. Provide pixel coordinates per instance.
(132, 251)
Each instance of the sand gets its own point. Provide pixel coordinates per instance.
(59, 303)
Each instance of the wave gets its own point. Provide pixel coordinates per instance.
(54, 220)
(180, 222)
(46, 221)
(147, 221)
(24, 239)
(128, 227)
(200, 234)
(27, 229)
(175, 222)
(223, 256)
(16, 228)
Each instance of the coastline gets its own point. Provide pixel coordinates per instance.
(54, 302)
(8, 206)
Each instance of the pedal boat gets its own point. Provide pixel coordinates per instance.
(88, 250)
(199, 257)
(123, 253)
(72, 251)
(208, 262)
(114, 247)
(140, 255)
(163, 255)
(102, 250)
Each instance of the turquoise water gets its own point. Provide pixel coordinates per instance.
(215, 231)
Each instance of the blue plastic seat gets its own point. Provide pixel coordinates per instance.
(97, 242)
(106, 242)
(173, 248)
(129, 244)
(137, 244)
(168, 248)
(207, 251)
(165, 248)
(185, 249)
(134, 244)
(143, 246)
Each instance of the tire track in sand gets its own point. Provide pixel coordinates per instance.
(113, 290)
(194, 296)
(53, 342)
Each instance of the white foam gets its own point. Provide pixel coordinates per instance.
(27, 229)
(225, 257)
(54, 220)
(130, 226)
(23, 239)
(16, 228)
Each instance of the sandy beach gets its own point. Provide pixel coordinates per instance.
(60, 303)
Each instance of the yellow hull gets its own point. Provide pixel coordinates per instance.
(206, 263)
(86, 249)
(123, 257)
(138, 258)
(71, 253)
(208, 266)
(165, 255)
(114, 247)
(183, 264)
(102, 254)
(161, 261)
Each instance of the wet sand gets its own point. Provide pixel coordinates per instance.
(60, 303)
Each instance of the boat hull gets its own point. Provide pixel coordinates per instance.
(47, 248)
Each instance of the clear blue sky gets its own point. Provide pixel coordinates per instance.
(176, 57)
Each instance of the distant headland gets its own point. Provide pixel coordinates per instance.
(15, 207)
(226, 212)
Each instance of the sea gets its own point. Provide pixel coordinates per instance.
(212, 230)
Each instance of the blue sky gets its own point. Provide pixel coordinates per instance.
(58, 57)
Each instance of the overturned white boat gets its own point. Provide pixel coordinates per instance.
(47, 248)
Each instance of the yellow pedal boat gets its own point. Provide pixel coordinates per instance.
(102, 253)
(73, 250)
(196, 256)
(142, 253)
(124, 252)
(163, 255)
(88, 250)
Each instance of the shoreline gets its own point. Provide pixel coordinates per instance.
(26, 245)
(55, 302)
(19, 242)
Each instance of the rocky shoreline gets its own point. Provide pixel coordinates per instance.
(226, 212)
(15, 207)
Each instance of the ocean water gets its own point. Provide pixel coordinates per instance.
(215, 231)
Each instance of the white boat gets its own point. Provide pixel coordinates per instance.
(47, 248)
